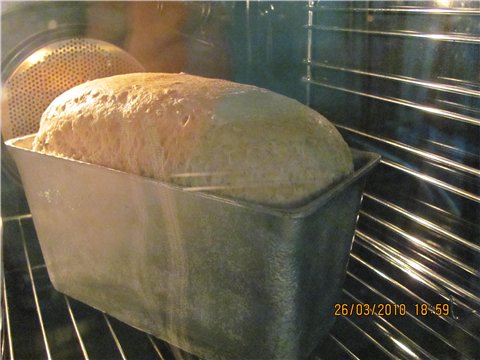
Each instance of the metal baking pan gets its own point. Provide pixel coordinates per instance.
(219, 278)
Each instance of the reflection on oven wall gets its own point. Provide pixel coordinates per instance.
(398, 78)
(254, 43)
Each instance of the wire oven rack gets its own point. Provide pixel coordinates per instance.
(39, 322)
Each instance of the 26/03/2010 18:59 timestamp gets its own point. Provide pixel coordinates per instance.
(389, 309)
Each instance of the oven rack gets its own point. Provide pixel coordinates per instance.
(39, 322)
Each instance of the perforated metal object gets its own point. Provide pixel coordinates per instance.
(51, 70)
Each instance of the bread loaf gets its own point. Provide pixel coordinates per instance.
(208, 135)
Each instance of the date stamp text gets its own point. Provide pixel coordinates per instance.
(389, 309)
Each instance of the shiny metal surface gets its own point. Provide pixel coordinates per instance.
(404, 79)
(425, 223)
(428, 156)
(421, 8)
(434, 181)
(75, 326)
(404, 33)
(200, 263)
(397, 101)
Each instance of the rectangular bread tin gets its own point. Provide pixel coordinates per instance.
(219, 278)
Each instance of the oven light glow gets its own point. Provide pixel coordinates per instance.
(443, 3)
(37, 56)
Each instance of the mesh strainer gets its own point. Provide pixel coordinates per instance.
(51, 70)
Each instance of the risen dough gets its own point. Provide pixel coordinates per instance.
(203, 134)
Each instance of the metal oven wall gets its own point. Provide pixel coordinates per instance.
(397, 78)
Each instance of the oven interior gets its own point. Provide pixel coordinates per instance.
(399, 78)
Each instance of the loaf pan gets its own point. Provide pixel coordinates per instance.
(219, 278)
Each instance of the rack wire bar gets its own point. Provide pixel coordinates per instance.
(7, 319)
(419, 243)
(424, 222)
(34, 290)
(370, 338)
(449, 37)
(114, 336)
(77, 332)
(155, 347)
(16, 217)
(344, 348)
(423, 274)
(459, 90)
(404, 10)
(309, 50)
(434, 181)
(422, 154)
(403, 102)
